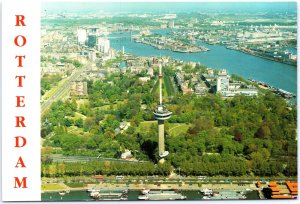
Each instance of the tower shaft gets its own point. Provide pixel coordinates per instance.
(161, 114)
(161, 137)
(160, 85)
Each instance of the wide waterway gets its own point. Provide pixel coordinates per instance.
(274, 73)
(132, 195)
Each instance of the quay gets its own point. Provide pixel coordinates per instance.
(261, 195)
(139, 186)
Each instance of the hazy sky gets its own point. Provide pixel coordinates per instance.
(167, 7)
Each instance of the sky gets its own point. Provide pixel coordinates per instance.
(169, 7)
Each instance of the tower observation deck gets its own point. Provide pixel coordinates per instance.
(161, 114)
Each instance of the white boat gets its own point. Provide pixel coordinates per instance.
(92, 190)
(143, 197)
(162, 195)
(62, 193)
(207, 191)
(228, 195)
(145, 191)
(109, 195)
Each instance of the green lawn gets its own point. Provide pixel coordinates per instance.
(168, 86)
(52, 187)
(75, 130)
(146, 125)
(176, 129)
(75, 185)
(155, 90)
(114, 105)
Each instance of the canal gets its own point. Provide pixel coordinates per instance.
(219, 57)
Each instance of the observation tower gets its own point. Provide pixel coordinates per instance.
(161, 114)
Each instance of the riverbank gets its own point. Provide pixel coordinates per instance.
(267, 58)
(174, 45)
(138, 186)
(274, 73)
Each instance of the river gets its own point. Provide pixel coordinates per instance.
(132, 195)
(274, 73)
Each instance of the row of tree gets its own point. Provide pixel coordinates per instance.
(105, 168)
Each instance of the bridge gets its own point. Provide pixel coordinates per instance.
(119, 37)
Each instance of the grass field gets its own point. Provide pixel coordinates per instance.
(174, 129)
(146, 125)
(168, 89)
(107, 107)
(75, 185)
(52, 187)
(168, 86)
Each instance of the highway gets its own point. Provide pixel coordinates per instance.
(61, 91)
(58, 158)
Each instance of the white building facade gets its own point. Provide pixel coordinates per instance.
(103, 45)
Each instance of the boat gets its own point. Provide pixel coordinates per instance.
(145, 191)
(228, 195)
(162, 195)
(143, 197)
(109, 195)
(92, 190)
(207, 192)
(62, 193)
(206, 198)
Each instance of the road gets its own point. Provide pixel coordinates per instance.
(60, 158)
(63, 90)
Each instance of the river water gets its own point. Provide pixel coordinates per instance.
(274, 73)
(132, 195)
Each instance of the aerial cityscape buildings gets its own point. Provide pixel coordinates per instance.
(143, 99)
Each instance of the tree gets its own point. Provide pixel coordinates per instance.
(78, 122)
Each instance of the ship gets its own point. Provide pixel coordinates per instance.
(207, 192)
(62, 193)
(162, 195)
(109, 195)
(228, 195)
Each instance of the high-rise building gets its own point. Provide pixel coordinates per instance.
(81, 36)
(161, 114)
(171, 24)
(103, 45)
(91, 41)
(222, 81)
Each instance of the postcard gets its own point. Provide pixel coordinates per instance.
(158, 101)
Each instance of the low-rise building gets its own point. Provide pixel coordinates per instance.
(126, 155)
(144, 79)
(79, 88)
(200, 89)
